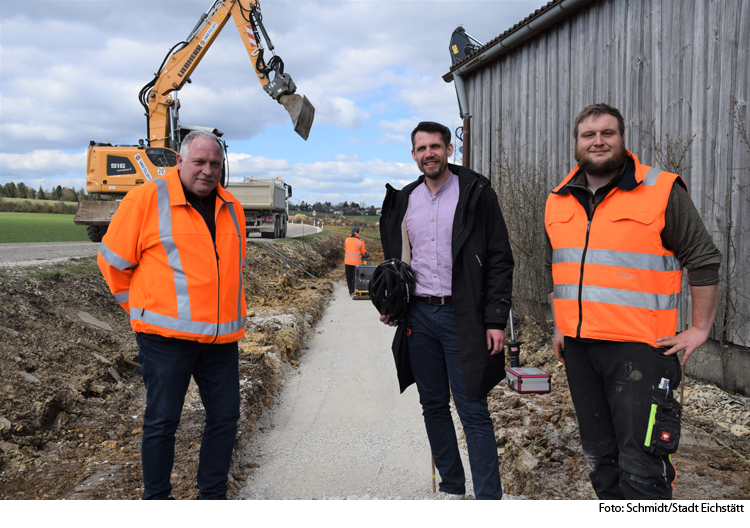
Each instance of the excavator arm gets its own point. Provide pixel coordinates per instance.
(113, 170)
(159, 96)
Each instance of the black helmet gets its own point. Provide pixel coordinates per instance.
(355, 229)
(391, 285)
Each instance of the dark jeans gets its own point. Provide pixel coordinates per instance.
(350, 277)
(435, 362)
(166, 368)
(613, 386)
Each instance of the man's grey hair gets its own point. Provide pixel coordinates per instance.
(196, 134)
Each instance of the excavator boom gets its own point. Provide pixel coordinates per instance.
(113, 170)
(157, 96)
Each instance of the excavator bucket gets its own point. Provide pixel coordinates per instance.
(301, 111)
(96, 212)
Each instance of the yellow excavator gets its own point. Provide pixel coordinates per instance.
(112, 170)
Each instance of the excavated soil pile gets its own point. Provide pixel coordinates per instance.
(540, 447)
(71, 395)
(72, 399)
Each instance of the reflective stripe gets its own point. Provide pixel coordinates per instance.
(651, 176)
(122, 297)
(181, 325)
(622, 259)
(114, 260)
(173, 255)
(633, 299)
(567, 256)
(232, 327)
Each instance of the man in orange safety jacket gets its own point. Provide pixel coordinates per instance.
(354, 250)
(173, 257)
(619, 234)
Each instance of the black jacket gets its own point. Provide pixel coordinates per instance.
(482, 276)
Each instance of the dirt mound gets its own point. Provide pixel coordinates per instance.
(540, 447)
(71, 397)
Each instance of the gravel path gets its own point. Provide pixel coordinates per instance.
(341, 430)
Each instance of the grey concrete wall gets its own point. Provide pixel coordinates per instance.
(728, 366)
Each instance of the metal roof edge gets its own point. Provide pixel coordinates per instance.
(541, 19)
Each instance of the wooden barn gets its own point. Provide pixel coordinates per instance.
(678, 72)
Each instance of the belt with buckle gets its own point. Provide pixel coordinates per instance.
(431, 299)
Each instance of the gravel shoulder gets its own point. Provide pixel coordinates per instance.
(37, 253)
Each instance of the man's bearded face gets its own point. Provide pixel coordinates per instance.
(600, 148)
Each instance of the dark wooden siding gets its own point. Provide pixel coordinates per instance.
(674, 64)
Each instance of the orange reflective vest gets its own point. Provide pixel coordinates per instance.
(164, 269)
(613, 278)
(354, 249)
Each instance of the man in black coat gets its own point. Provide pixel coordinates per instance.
(448, 226)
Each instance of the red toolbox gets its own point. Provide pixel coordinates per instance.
(527, 380)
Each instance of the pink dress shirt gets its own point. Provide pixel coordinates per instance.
(429, 224)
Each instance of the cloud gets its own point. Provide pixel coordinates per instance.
(40, 162)
(71, 72)
(398, 132)
(344, 178)
(339, 112)
(46, 168)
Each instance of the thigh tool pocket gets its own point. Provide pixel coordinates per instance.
(663, 433)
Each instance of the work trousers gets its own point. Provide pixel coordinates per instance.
(167, 368)
(436, 365)
(350, 277)
(615, 391)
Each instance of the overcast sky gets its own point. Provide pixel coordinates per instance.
(71, 70)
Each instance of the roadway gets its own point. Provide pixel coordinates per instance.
(32, 253)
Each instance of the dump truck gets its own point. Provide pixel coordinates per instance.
(113, 170)
(266, 205)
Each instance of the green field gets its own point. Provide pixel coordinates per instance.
(39, 227)
(362, 233)
(21, 200)
(323, 216)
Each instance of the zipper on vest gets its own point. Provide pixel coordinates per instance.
(218, 294)
(590, 212)
(580, 281)
(218, 274)
(218, 282)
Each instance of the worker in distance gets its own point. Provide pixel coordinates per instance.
(618, 236)
(354, 252)
(173, 258)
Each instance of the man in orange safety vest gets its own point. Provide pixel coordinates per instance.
(173, 258)
(619, 234)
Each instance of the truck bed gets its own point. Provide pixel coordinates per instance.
(260, 194)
